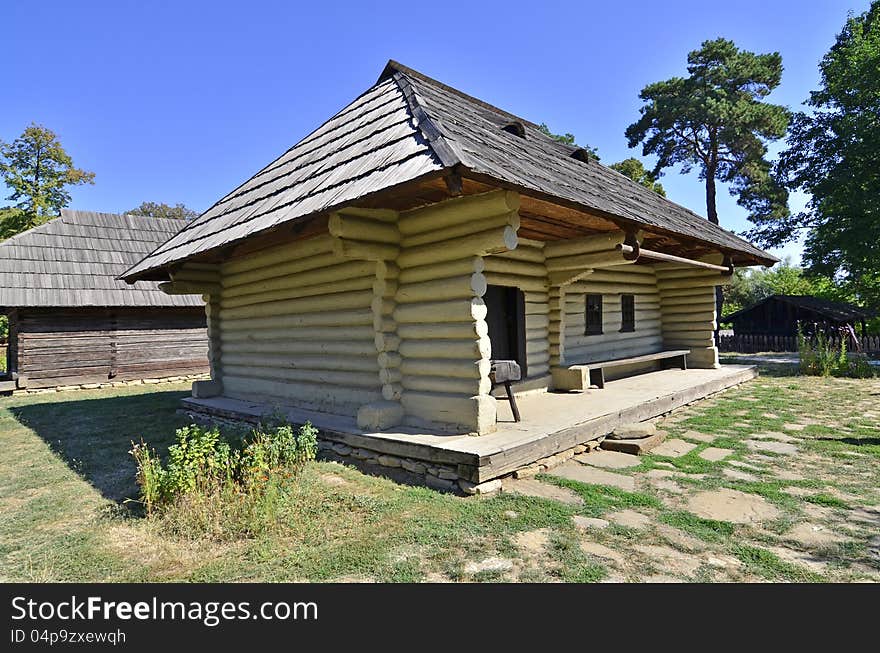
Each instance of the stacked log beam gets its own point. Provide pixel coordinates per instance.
(687, 298)
(299, 329)
(440, 314)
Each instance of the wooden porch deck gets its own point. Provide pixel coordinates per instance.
(551, 422)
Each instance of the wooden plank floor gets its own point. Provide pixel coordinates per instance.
(551, 422)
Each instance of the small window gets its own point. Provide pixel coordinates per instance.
(627, 312)
(594, 315)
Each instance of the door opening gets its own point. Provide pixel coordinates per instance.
(507, 324)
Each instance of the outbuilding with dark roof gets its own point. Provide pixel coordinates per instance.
(73, 322)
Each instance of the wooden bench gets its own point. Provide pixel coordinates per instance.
(580, 376)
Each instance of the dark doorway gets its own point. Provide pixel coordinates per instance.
(507, 324)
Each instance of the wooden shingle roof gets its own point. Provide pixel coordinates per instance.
(74, 261)
(835, 311)
(408, 126)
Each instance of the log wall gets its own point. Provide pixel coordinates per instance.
(296, 325)
(611, 283)
(59, 347)
(687, 301)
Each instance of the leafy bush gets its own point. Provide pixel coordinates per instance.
(819, 356)
(203, 464)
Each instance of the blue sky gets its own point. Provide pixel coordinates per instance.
(182, 101)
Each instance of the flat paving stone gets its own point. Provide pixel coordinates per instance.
(532, 488)
(775, 435)
(489, 564)
(698, 436)
(732, 505)
(593, 476)
(714, 454)
(772, 446)
(635, 447)
(630, 519)
(588, 523)
(674, 448)
(813, 535)
(602, 551)
(794, 427)
(739, 475)
(608, 459)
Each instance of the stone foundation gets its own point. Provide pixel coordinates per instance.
(111, 384)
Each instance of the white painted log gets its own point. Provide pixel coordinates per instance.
(462, 229)
(444, 330)
(688, 318)
(392, 392)
(464, 310)
(480, 243)
(290, 307)
(595, 243)
(454, 349)
(444, 270)
(537, 321)
(528, 284)
(364, 250)
(190, 288)
(457, 211)
(350, 227)
(677, 284)
(535, 306)
(301, 249)
(300, 279)
(321, 318)
(523, 254)
(703, 358)
(390, 375)
(389, 359)
(308, 395)
(311, 376)
(601, 258)
(304, 334)
(285, 269)
(301, 347)
(386, 342)
(473, 285)
(384, 215)
(302, 363)
(465, 369)
(449, 385)
(321, 289)
(684, 309)
(504, 265)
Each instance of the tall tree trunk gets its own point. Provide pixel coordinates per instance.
(712, 214)
(711, 209)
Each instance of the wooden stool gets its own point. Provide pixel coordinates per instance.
(503, 372)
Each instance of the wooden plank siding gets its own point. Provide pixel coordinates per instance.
(94, 345)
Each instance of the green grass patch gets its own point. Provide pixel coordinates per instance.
(709, 530)
(768, 565)
(827, 500)
(599, 499)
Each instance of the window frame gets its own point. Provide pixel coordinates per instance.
(627, 325)
(594, 329)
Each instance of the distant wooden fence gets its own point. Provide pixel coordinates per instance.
(750, 344)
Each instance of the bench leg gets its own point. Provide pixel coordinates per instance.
(512, 400)
(597, 377)
(684, 361)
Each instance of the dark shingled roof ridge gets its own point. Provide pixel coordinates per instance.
(408, 126)
(74, 261)
(837, 310)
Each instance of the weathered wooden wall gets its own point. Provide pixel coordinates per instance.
(296, 325)
(687, 303)
(56, 347)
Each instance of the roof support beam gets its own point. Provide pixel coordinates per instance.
(671, 258)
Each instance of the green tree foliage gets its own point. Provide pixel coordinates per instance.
(834, 155)
(569, 139)
(635, 170)
(717, 120)
(38, 171)
(161, 210)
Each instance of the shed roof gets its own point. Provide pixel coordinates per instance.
(74, 261)
(836, 311)
(408, 126)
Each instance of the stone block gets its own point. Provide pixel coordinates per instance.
(205, 389)
(379, 415)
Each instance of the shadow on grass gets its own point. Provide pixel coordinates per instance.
(94, 435)
(856, 442)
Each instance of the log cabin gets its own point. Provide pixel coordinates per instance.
(73, 323)
(375, 270)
